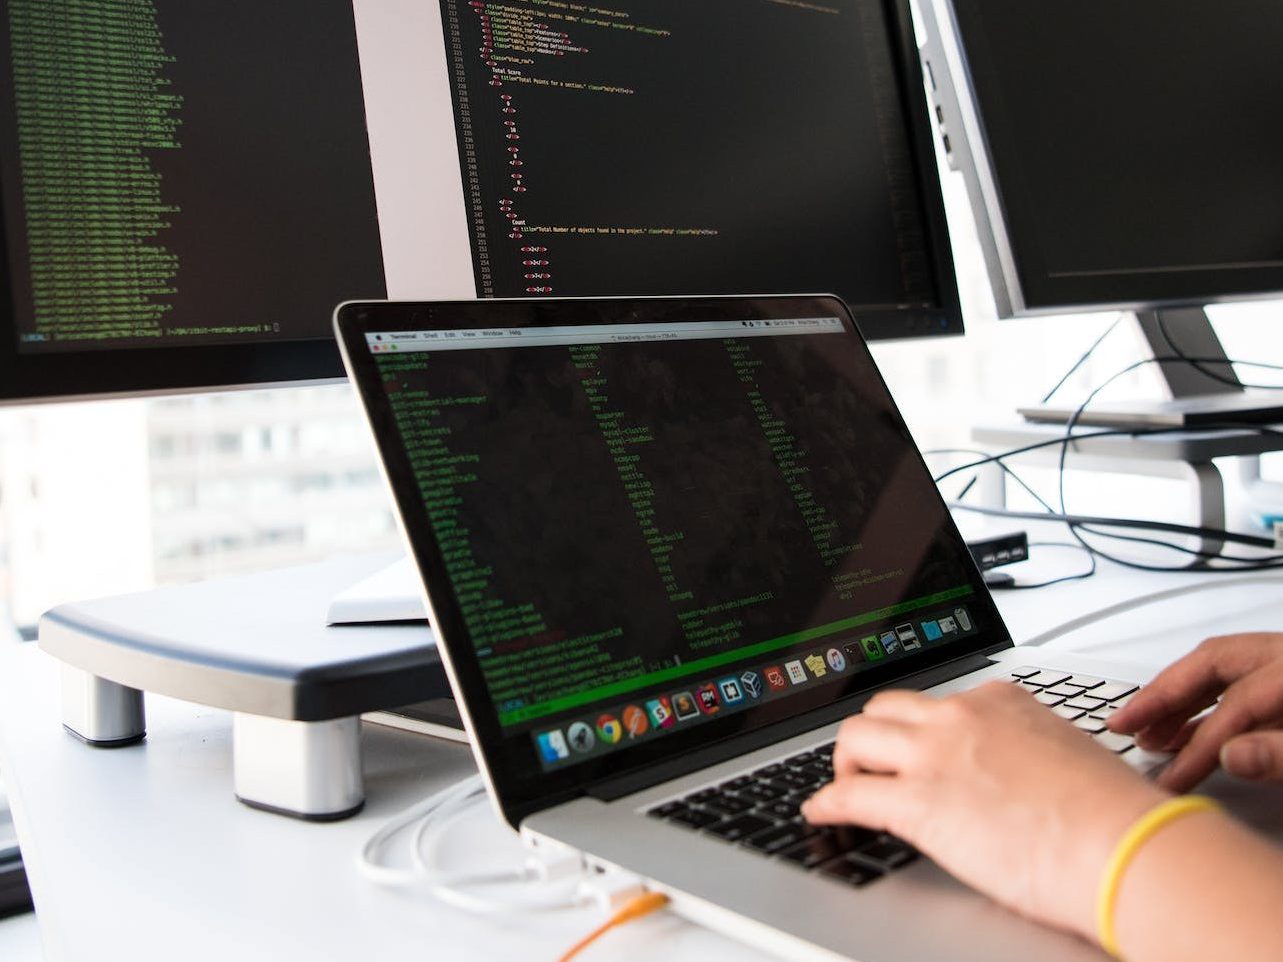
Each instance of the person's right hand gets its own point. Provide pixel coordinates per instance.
(994, 788)
(1243, 733)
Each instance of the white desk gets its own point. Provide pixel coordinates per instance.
(142, 853)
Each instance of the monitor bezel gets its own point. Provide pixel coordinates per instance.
(41, 376)
(970, 150)
(515, 795)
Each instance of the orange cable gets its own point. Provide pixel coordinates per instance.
(634, 908)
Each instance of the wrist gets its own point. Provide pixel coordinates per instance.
(1112, 819)
(1164, 892)
(1162, 822)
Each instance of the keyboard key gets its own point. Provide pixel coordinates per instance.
(798, 761)
(1065, 689)
(702, 794)
(1115, 742)
(1089, 725)
(888, 852)
(809, 853)
(1085, 702)
(740, 827)
(829, 843)
(850, 871)
(781, 808)
(816, 772)
(1143, 761)
(1084, 681)
(1120, 702)
(1024, 671)
(695, 818)
(770, 771)
(797, 780)
(762, 792)
(1068, 713)
(1048, 699)
(737, 783)
(1112, 690)
(665, 810)
(1047, 678)
(772, 841)
(825, 750)
(727, 804)
(1103, 714)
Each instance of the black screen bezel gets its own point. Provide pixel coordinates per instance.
(517, 792)
(1040, 290)
(46, 376)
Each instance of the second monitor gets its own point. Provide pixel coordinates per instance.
(187, 191)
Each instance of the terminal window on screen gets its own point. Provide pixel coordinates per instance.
(707, 495)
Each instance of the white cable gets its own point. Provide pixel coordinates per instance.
(1132, 603)
(455, 891)
(429, 817)
(367, 860)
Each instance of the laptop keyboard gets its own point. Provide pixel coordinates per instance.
(1083, 701)
(760, 811)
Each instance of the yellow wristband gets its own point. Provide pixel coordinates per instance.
(1136, 836)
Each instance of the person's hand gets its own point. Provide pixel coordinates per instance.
(1011, 799)
(1245, 672)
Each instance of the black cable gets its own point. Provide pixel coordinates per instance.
(987, 459)
(1077, 528)
(1112, 535)
(1194, 552)
(1078, 576)
(1082, 360)
(1145, 525)
(1060, 485)
(1199, 364)
(1010, 472)
(1103, 433)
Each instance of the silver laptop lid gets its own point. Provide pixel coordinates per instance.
(651, 526)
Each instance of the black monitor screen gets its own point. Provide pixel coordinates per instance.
(1136, 145)
(189, 188)
(670, 147)
(184, 172)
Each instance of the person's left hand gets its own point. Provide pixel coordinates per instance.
(995, 788)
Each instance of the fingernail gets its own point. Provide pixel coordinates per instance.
(1245, 757)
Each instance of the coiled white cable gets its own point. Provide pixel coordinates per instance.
(429, 818)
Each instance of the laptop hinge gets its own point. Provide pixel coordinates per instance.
(630, 782)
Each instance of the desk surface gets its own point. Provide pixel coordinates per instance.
(142, 852)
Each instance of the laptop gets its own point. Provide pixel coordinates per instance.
(666, 545)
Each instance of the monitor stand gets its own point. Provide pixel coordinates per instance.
(1208, 394)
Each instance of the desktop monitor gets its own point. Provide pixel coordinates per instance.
(1119, 156)
(189, 188)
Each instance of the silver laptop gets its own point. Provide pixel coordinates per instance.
(667, 544)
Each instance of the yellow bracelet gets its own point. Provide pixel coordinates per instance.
(1136, 836)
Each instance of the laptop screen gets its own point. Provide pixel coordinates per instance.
(653, 533)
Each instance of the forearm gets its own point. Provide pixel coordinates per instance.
(1202, 888)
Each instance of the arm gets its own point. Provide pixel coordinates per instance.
(1022, 806)
(1202, 888)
